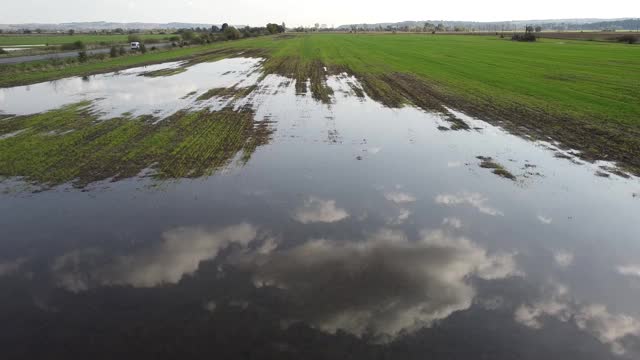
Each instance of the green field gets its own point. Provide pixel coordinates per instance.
(8, 40)
(584, 94)
(585, 79)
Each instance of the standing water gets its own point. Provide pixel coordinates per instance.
(358, 231)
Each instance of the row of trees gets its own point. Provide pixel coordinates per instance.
(225, 32)
(425, 27)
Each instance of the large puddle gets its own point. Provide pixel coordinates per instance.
(130, 91)
(359, 231)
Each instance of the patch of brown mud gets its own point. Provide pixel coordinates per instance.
(312, 73)
(358, 91)
(488, 163)
(397, 89)
(164, 72)
(188, 95)
(615, 171)
(227, 93)
(594, 140)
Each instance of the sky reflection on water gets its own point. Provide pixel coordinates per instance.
(358, 230)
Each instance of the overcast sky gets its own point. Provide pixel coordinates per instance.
(301, 12)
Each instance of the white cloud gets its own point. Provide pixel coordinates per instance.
(9, 267)
(382, 285)
(554, 303)
(399, 197)
(594, 319)
(69, 269)
(629, 270)
(544, 219)
(400, 218)
(269, 245)
(452, 222)
(530, 315)
(179, 253)
(563, 258)
(475, 200)
(608, 328)
(318, 210)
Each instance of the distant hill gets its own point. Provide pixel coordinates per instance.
(102, 25)
(557, 24)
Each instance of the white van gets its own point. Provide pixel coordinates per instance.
(135, 45)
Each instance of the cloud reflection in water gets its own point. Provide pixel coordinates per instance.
(180, 253)
(317, 210)
(609, 328)
(381, 286)
(475, 200)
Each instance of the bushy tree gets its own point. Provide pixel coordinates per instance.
(82, 56)
(231, 33)
(224, 27)
(527, 36)
(71, 32)
(188, 35)
(275, 28)
(428, 27)
(113, 52)
(76, 45)
(215, 29)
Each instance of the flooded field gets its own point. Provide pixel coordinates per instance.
(216, 210)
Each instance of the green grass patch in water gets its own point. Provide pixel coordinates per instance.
(71, 144)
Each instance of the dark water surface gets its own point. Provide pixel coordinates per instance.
(359, 232)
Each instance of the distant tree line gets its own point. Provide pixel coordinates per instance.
(225, 32)
(182, 37)
(196, 35)
(472, 26)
